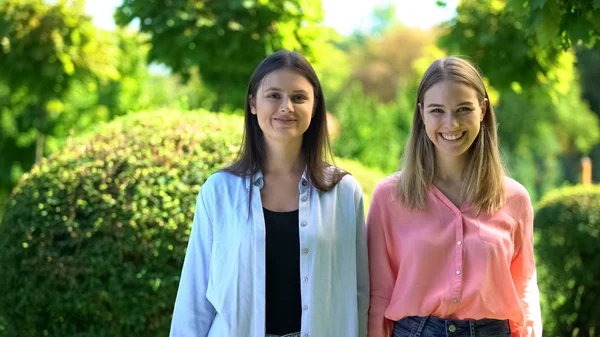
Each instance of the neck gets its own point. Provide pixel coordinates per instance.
(449, 170)
(284, 158)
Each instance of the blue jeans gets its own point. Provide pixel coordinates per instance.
(415, 326)
(295, 334)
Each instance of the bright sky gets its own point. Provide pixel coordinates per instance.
(343, 15)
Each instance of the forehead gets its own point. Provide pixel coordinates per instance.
(286, 79)
(449, 93)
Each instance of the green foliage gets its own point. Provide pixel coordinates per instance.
(383, 63)
(224, 39)
(587, 64)
(562, 23)
(45, 51)
(94, 238)
(516, 41)
(47, 46)
(371, 132)
(492, 34)
(367, 177)
(567, 226)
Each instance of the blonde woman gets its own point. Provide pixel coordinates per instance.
(450, 237)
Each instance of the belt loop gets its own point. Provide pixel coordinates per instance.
(421, 326)
(472, 327)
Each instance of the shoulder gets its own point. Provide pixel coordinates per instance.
(518, 202)
(386, 188)
(220, 181)
(516, 193)
(349, 182)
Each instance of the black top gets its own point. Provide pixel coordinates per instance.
(283, 299)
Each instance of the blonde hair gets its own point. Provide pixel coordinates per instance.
(483, 177)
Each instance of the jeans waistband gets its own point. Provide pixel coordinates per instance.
(416, 326)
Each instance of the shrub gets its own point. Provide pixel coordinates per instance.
(94, 238)
(567, 226)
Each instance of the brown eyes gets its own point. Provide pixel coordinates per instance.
(462, 109)
(295, 98)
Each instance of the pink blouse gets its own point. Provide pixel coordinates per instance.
(451, 263)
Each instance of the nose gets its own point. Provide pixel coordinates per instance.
(451, 120)
(286, 104)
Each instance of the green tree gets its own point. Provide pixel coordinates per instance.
(224, 39)
(560, 23)
(516, 40)
(48, 47)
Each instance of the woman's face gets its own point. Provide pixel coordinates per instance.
(452, 114)
(284, 106)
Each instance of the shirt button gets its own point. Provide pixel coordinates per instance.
(305, 250)
(305, 307)
(452, 328)
(459, 243)
(304, 183)
(458, 272)
(304, 198)
(305, 279)
(303, 224)
(455, 300)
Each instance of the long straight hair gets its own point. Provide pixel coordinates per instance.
(315, 149)
(483, 178)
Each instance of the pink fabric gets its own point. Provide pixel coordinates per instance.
(450, 263)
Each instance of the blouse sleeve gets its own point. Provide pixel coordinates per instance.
(362, 267)
(380, 269)
(193, 314)
(524, 276)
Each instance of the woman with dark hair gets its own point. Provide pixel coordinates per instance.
(278, 242)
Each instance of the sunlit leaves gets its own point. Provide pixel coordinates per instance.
(225, 40)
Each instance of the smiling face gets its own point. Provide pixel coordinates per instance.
(284, 106)
(452, 114)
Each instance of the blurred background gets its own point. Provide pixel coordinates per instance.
(114, 112)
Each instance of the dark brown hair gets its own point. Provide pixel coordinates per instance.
(316, 149)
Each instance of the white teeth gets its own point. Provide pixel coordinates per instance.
(449, 136)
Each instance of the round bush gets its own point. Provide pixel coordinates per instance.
(94, 238)
(567, 223)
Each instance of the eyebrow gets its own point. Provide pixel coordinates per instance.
(435, 105)
(278, 89)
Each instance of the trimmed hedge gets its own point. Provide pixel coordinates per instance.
(567, 223)
(94, 238)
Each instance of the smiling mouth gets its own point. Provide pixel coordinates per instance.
(452, 136)
(284, 120)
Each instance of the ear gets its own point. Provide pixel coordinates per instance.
(484, 106)
(420, 109)
(252, 104)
